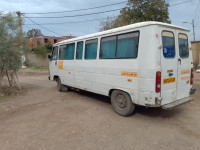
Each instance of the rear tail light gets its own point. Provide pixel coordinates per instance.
(158, 82)
(192, 76)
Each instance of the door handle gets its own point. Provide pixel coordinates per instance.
(179, 60)
(56, 63)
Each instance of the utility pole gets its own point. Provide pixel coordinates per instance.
(21, 38)
(20, 26)
(193, 29)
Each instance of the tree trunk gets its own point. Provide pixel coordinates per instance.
(17, 81)
(8, 78)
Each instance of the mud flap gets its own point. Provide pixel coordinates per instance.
(177, 103)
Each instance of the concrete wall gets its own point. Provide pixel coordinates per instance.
(196, 52)
(37, 60)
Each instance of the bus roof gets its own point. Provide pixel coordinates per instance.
(124, 28)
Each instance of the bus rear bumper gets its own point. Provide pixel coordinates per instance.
(177, 103)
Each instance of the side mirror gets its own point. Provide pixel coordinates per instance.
(50, 57)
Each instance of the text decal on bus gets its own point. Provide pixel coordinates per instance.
(129, 74)
(169, 80)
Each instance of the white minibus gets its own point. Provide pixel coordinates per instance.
(147, 64)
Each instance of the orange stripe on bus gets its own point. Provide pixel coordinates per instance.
(185, 71)
(185, 78)
(60, 65)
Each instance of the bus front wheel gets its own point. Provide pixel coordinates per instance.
(60, 86)
(122, 103)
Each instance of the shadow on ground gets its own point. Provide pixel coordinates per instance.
(145, 111)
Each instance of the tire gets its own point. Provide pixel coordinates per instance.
(59, 85)
(122, 103)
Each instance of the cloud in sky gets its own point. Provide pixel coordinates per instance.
(178, 14)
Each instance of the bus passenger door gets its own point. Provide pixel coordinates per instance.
(184, 66)
(168, 65)
(53, 63)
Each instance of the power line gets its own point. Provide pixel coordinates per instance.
(196, 11)
(79, 9)
(88, 14)
(80, 14)
(53, 23)
(180, 3)
(41, 26)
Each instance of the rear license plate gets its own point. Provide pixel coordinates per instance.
(169, 80)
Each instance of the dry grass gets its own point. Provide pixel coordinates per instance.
(7, 91)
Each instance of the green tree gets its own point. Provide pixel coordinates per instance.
(10, 54)
(34, 33)
(139, 11)
(108, 24)
(42, 50)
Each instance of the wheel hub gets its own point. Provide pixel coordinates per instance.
(121, 101)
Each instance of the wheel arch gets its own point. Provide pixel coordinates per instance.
(55, 77)
(130, 93)
(124, 90)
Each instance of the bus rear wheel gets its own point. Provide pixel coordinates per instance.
(122, 103)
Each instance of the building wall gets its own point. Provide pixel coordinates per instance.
(196, 52)
(36, 60)
(41, 40)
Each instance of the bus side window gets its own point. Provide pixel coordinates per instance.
(108, 47)
(55, 53)
(79, 50)
(91, 49)
(61, 52)
(168, 44)
(183, 46)
(127, 45)
(67, 51)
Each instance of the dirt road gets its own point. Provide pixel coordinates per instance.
(44, 119)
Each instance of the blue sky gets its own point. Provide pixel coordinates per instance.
(178, 14)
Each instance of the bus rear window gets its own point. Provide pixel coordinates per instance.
(183, 46)
(168, 44)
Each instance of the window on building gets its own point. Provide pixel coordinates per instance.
(66, 52)
(127, 45)
(55, 40)
(46, 40)
(183, 46)
(168, 44)
(91, 49)
(79, 50)
(108, 47)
